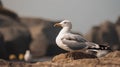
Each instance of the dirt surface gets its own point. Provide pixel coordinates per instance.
(69, 60)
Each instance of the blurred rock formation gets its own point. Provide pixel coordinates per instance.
(16, 35)
(117, 24)
(105, 33)
(9, 13)
(3, 51)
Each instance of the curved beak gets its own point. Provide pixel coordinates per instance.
(57, 24)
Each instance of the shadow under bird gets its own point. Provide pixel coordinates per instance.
(71, 41)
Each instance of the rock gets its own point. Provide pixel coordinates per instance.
(3, 63)
(39, 42)
(72, 56)
(108, 61)
(35, 25)
(3, 52)
(93, 35)
(117, 24)
(1, 5)
(105, 33)
(118, 21)
(39, 46)
(16, 35)
(109, 35)
(9, 13)
(115, 54)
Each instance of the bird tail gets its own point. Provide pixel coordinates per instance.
(97, 46)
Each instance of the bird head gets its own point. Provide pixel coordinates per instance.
(64, 23)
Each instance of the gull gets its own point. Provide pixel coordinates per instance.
(70, 41)
(27, 56)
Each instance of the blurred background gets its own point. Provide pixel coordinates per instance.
(28, 25)
(82, 13)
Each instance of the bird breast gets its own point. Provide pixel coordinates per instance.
(61, 45)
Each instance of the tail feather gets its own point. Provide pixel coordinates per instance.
(102, 48)
(98, 47)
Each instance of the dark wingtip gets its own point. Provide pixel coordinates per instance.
(102, 47)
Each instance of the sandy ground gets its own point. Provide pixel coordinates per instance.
(63, 60)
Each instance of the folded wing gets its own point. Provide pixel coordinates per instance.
(74, 42)
(77, 42)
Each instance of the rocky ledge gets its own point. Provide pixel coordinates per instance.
(71, 60)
